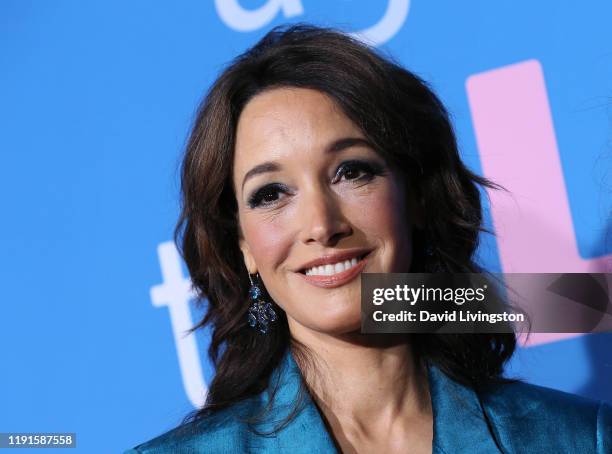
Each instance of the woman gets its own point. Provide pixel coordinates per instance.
(314, 159)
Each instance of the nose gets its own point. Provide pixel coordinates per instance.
(322, 219)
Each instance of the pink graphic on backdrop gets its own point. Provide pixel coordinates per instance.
(518, 149)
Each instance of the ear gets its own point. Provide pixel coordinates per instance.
(249, 261)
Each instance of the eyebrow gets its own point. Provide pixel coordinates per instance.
(336, 146)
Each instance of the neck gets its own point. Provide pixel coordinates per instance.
(365, 383)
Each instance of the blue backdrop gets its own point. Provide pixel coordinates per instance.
(96, 100)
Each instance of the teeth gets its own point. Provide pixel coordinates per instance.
(331, 269)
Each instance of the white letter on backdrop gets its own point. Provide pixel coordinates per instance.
(244, 20)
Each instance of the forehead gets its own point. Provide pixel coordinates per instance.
(285, 108)
(288, 124)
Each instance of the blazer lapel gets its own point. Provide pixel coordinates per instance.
(460, 424)
(306, 433)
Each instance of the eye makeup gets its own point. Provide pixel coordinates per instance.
(354, 171)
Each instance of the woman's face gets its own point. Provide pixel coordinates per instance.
(310, 187)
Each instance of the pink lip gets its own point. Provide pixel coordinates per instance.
(338, 279)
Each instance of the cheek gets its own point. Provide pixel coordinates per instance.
(267, 240)
(382, 212)
(388, 224)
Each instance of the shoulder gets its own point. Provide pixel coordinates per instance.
(526, 415)
(275, 420)
(223, 431)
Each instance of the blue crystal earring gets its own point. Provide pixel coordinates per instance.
(261, 312)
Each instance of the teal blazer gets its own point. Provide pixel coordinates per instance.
(511, 418)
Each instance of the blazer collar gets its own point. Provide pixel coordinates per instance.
(460, 424)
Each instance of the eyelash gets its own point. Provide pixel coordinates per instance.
(370, 171)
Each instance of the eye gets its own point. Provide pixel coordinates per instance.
(266, 195)
(358, 171)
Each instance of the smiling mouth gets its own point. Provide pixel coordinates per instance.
(334, 268)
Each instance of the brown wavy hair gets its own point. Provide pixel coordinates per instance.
(410, 128)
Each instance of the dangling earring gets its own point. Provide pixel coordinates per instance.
(260, 312)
